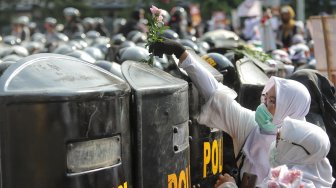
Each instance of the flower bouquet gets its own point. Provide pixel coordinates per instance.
(282, 177)
(156, 28)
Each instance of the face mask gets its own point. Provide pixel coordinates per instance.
(273, 155)
(264, 119)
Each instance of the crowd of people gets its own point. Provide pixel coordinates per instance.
(289, 134)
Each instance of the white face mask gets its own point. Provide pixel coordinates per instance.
(273, 155)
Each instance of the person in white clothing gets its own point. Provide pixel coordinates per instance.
(252, 131)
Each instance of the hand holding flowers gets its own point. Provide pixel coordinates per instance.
(156, 28)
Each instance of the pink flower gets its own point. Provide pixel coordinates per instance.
(275, 172)
(156, 11)
(272, 184)
(291, 176)
(159, 18)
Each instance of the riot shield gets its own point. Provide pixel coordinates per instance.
(206, 144)
(64, 123)
(159, 121)
(252, 80)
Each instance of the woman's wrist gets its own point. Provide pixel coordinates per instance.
(183, 57)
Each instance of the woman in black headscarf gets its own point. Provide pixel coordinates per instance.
(323, 105)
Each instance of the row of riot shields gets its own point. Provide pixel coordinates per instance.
(68, 123)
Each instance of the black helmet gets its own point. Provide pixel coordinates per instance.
(118, 39)
(178, 13)
(136, 36)
(190, 44)
(92, 34)
(170, 34)
(64, 49)
(80, 54)
(126, 44)
(38, 37)
(112, 67)
(223, 65)
(104, 48)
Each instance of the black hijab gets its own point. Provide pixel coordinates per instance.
(323, 104)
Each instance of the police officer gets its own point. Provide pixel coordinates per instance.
(135, 23)
(178, 21)
(73, 24)
(51, 33)
(20, 28)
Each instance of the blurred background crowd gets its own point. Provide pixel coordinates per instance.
(91, 29)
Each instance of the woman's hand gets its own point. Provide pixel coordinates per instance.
(222, 179)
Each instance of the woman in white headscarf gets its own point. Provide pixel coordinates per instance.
(252, 132)
(303, 146)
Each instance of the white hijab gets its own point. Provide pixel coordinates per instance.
(317, 171)
(292, 100)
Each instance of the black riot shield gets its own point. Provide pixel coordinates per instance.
(206, 145)
(159, 121)
(252, 80)
(64, 123)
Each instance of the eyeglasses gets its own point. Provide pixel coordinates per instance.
(268, 100)
(278, 138)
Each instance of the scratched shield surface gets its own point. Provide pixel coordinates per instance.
(64, 123)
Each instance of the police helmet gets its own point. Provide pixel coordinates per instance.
(95, 53)
(78, 36)
(126, 44)
(136, 36)
(32, 25)
(38, 37)
(112, 67)
(51, 21)
(11, 58)
(118, 39)
(104, 48)
(18, 50)
(22, 20)
(62, 37)
(11, 40)
(190, 44)
(297, 39)
(203, 47)
(88, 22)
(102, 40)
(98, 21)
(223, 65)
(64, 49)
(178, 13)
(71, 12)
(134, 53)
(80, 54)
(170, 34)
(33, 47)
(4, 65)
(91, 36)
(281, 55)
(299, 53)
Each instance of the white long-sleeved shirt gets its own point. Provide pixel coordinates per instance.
(221, 110)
